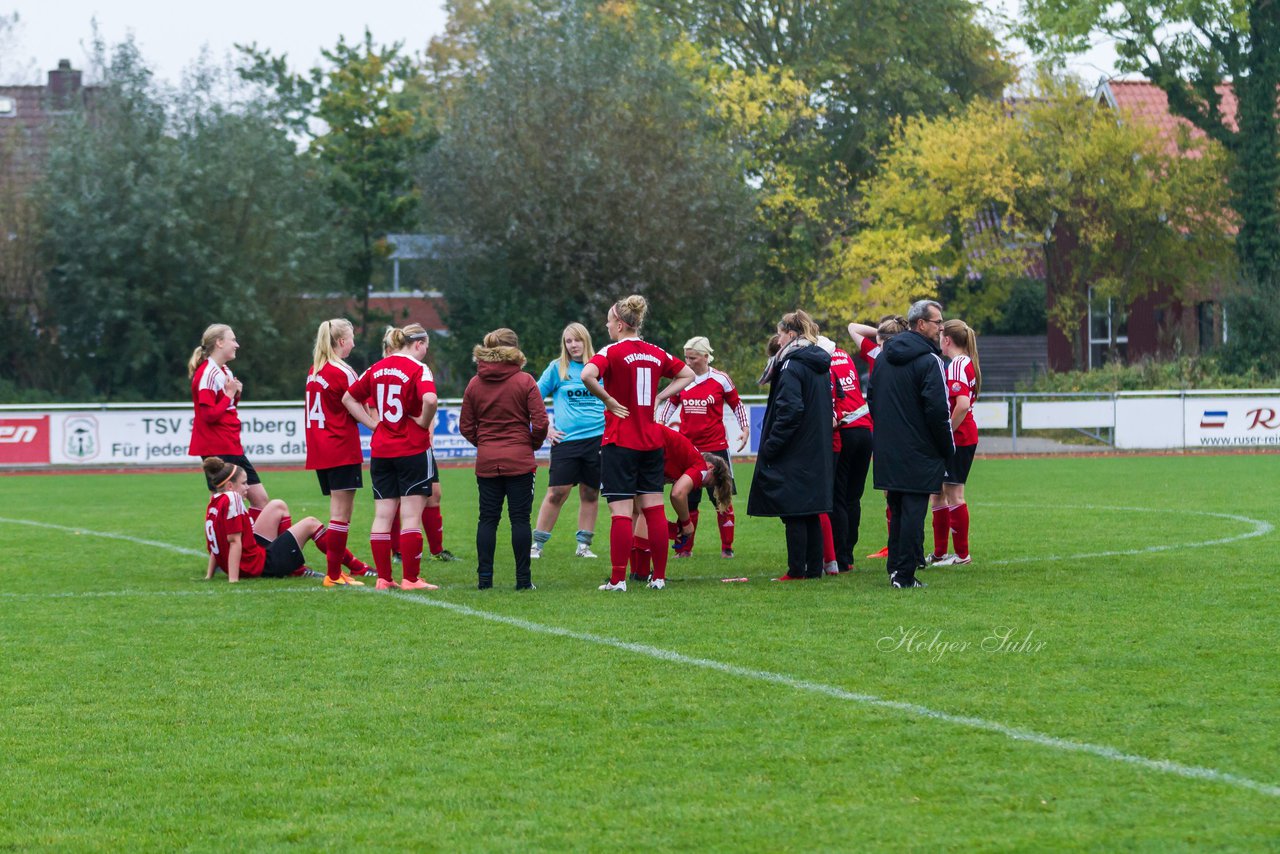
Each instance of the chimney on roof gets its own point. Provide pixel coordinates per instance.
(64, 86)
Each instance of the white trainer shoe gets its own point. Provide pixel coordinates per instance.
(657, 584)
(953, 560)
(932, 560)
(584, 550)
(831, 568)
(536, 551)
(620, 586)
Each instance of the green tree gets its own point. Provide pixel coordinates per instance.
(1101, 200)
(364, 116)
(1195, 50)
(585, 162)
(164, 213)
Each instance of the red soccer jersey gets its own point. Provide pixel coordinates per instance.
(630, 370)
(870, 351)
(852, 409)
(227, 515)
(333, 436)
(216, 428)
(962, 381)
(701, 405)
(680, 457)
(396, 385)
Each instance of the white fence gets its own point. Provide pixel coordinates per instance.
(158, 434)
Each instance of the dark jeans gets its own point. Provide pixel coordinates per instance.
(518, 492)
(851, 479)
(906, 533)
(804, 546)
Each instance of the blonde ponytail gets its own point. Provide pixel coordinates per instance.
(328, 337)
(212, 335)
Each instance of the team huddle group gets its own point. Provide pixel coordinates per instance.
(610, 437)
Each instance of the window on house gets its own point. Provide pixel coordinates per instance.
(1108, 331)
(8, 106)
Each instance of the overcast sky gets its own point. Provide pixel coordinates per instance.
(171, 35)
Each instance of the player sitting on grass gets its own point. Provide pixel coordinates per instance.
(234, 544)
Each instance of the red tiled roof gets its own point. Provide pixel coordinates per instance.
(1147, 102)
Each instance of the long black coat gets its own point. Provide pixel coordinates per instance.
(912, 436)
(794, 469)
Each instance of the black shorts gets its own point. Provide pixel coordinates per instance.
(397, 477)
(284, 555)
(695, 494)
(627, 472)
(576, 462)
(340, 478)
(240, 460)
(435, 469)
(959, 464)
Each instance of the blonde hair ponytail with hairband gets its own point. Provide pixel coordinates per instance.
(700, 344)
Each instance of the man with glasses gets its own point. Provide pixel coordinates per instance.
(912, 438)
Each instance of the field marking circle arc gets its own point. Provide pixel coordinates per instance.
(1015, 733)
(1260, 529)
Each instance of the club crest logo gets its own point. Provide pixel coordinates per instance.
(80, 437)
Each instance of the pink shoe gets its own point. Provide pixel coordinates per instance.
(386, 584)
(418, 584)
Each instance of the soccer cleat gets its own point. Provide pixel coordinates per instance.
(938, 560)
(726, 553)
(789, 577)
(912, 582)
(831, 568)
(881, 555)
(657, 584)
(386, 584)
(584, 550)
(527, 587)
(308, 572)
(953, 560)
(536, 552)
(445, 556)
(418, 584)
(340, 581)
(621, 586)
(362, 569)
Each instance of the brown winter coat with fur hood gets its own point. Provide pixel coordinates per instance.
(502, 413)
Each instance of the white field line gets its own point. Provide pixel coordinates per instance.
(1259, 529)
(109, 536)
(1194, 772)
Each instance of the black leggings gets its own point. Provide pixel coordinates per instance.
(804, 546)
(851, 479)
(517, 490)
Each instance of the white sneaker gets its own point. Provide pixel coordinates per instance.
(609, 585)
(536, 551)
(657, 584)
(584, 550)
(831, 568)
(953, 560)
(930, 560)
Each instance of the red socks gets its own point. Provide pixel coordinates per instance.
(621, 539)
(725, 522)
(941, 529)
(380, 544)
(960, 528)
(333, 542)
(411, 552)
(395, 532)
(828, 541)
(433, 526)
(655, 517)
(286, 522)
(640, 557)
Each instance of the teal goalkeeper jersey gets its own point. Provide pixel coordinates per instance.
(579, 414)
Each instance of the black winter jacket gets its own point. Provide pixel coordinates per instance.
(794, 469)
(912, 436)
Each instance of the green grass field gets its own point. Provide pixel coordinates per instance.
(144, 709)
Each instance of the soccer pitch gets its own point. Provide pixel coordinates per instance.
(1102, 676)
